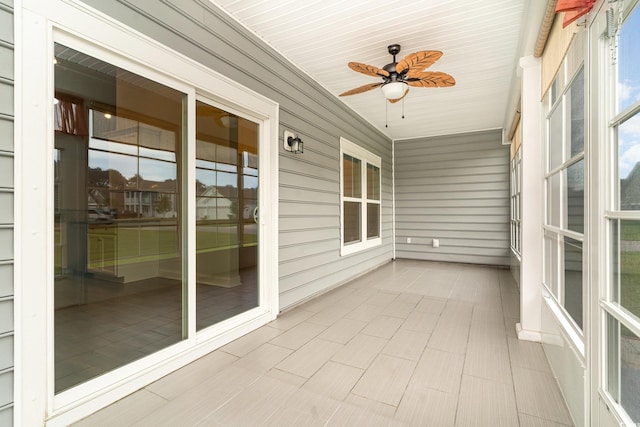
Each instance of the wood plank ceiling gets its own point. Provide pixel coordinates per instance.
(482, 41)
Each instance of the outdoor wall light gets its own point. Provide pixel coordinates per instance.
(293, 143)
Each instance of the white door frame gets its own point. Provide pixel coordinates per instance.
(38, 25)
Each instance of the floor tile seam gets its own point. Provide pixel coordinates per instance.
(464, 365)
(545, 419)
(406, 386)
(377, 401)
(493, 380)
(167, 400)
(403, 358)
(510, 356)
(311, 338)
(209, 414)
(529, 368)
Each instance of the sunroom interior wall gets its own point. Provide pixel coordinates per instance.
(309, 183)
(454, 189)
(6, 211)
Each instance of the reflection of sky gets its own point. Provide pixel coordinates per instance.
(629, 93)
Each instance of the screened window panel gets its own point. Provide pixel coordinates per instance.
(554, 183)
(555, 138)
(352, 170)
(628, 159)
(573, 299)
(627, 274)
(574, 197)
(628, 54)
(373, 220)
(352, 223)
(373, 182)
(576, 115)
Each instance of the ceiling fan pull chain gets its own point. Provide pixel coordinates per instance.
(386, 115)
(403, 108)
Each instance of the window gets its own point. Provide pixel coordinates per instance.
(564, 183)
(360, 198)
(622, 301)
(516, 189)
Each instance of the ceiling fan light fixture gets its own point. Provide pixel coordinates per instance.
(394, 90)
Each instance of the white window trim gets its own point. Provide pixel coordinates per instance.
(38, 25)
(352, 149)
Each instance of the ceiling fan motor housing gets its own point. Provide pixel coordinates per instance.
(394, 49)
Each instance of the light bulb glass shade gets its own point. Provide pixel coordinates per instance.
(394, 90)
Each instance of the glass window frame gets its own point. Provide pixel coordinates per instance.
(516, 202)
(366, 158)
(614, 317)
(554, 103)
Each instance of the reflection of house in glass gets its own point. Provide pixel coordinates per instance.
(158, 203)
(212, 205)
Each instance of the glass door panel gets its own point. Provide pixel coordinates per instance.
(226, 215)
(119, 288)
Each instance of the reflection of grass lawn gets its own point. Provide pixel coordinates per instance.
(109, 245)
(630, 267)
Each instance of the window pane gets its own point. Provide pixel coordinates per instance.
(226, 233)
(551, 262)
(627, 252)
(352, 176)
(628, 158)
(352, 225)
(613, 357)
(576, 114)
(373, 220)
(373, 182)
(630, 373)
(118, 289)
(574, 197)
(573, 279)
(628, 53)
(623, 367)
(553, 199)
(555, 138)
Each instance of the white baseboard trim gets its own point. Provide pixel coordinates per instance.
(526, 335)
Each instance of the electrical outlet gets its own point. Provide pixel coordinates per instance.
(436, 243)
(408, 239)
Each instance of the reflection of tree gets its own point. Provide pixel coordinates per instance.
(109, 178)
(234, 209)
(163, 204)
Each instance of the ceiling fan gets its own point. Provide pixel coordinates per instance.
(397, 76)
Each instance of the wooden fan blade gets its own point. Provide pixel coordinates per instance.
(431, 79)
(393, 101)
(417, 62)
(361, 89)
(369, 70)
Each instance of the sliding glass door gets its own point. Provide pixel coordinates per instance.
(123, 182)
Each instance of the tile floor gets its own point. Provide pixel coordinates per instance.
(412, 343)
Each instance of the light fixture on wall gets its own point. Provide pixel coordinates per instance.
(293, 143)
